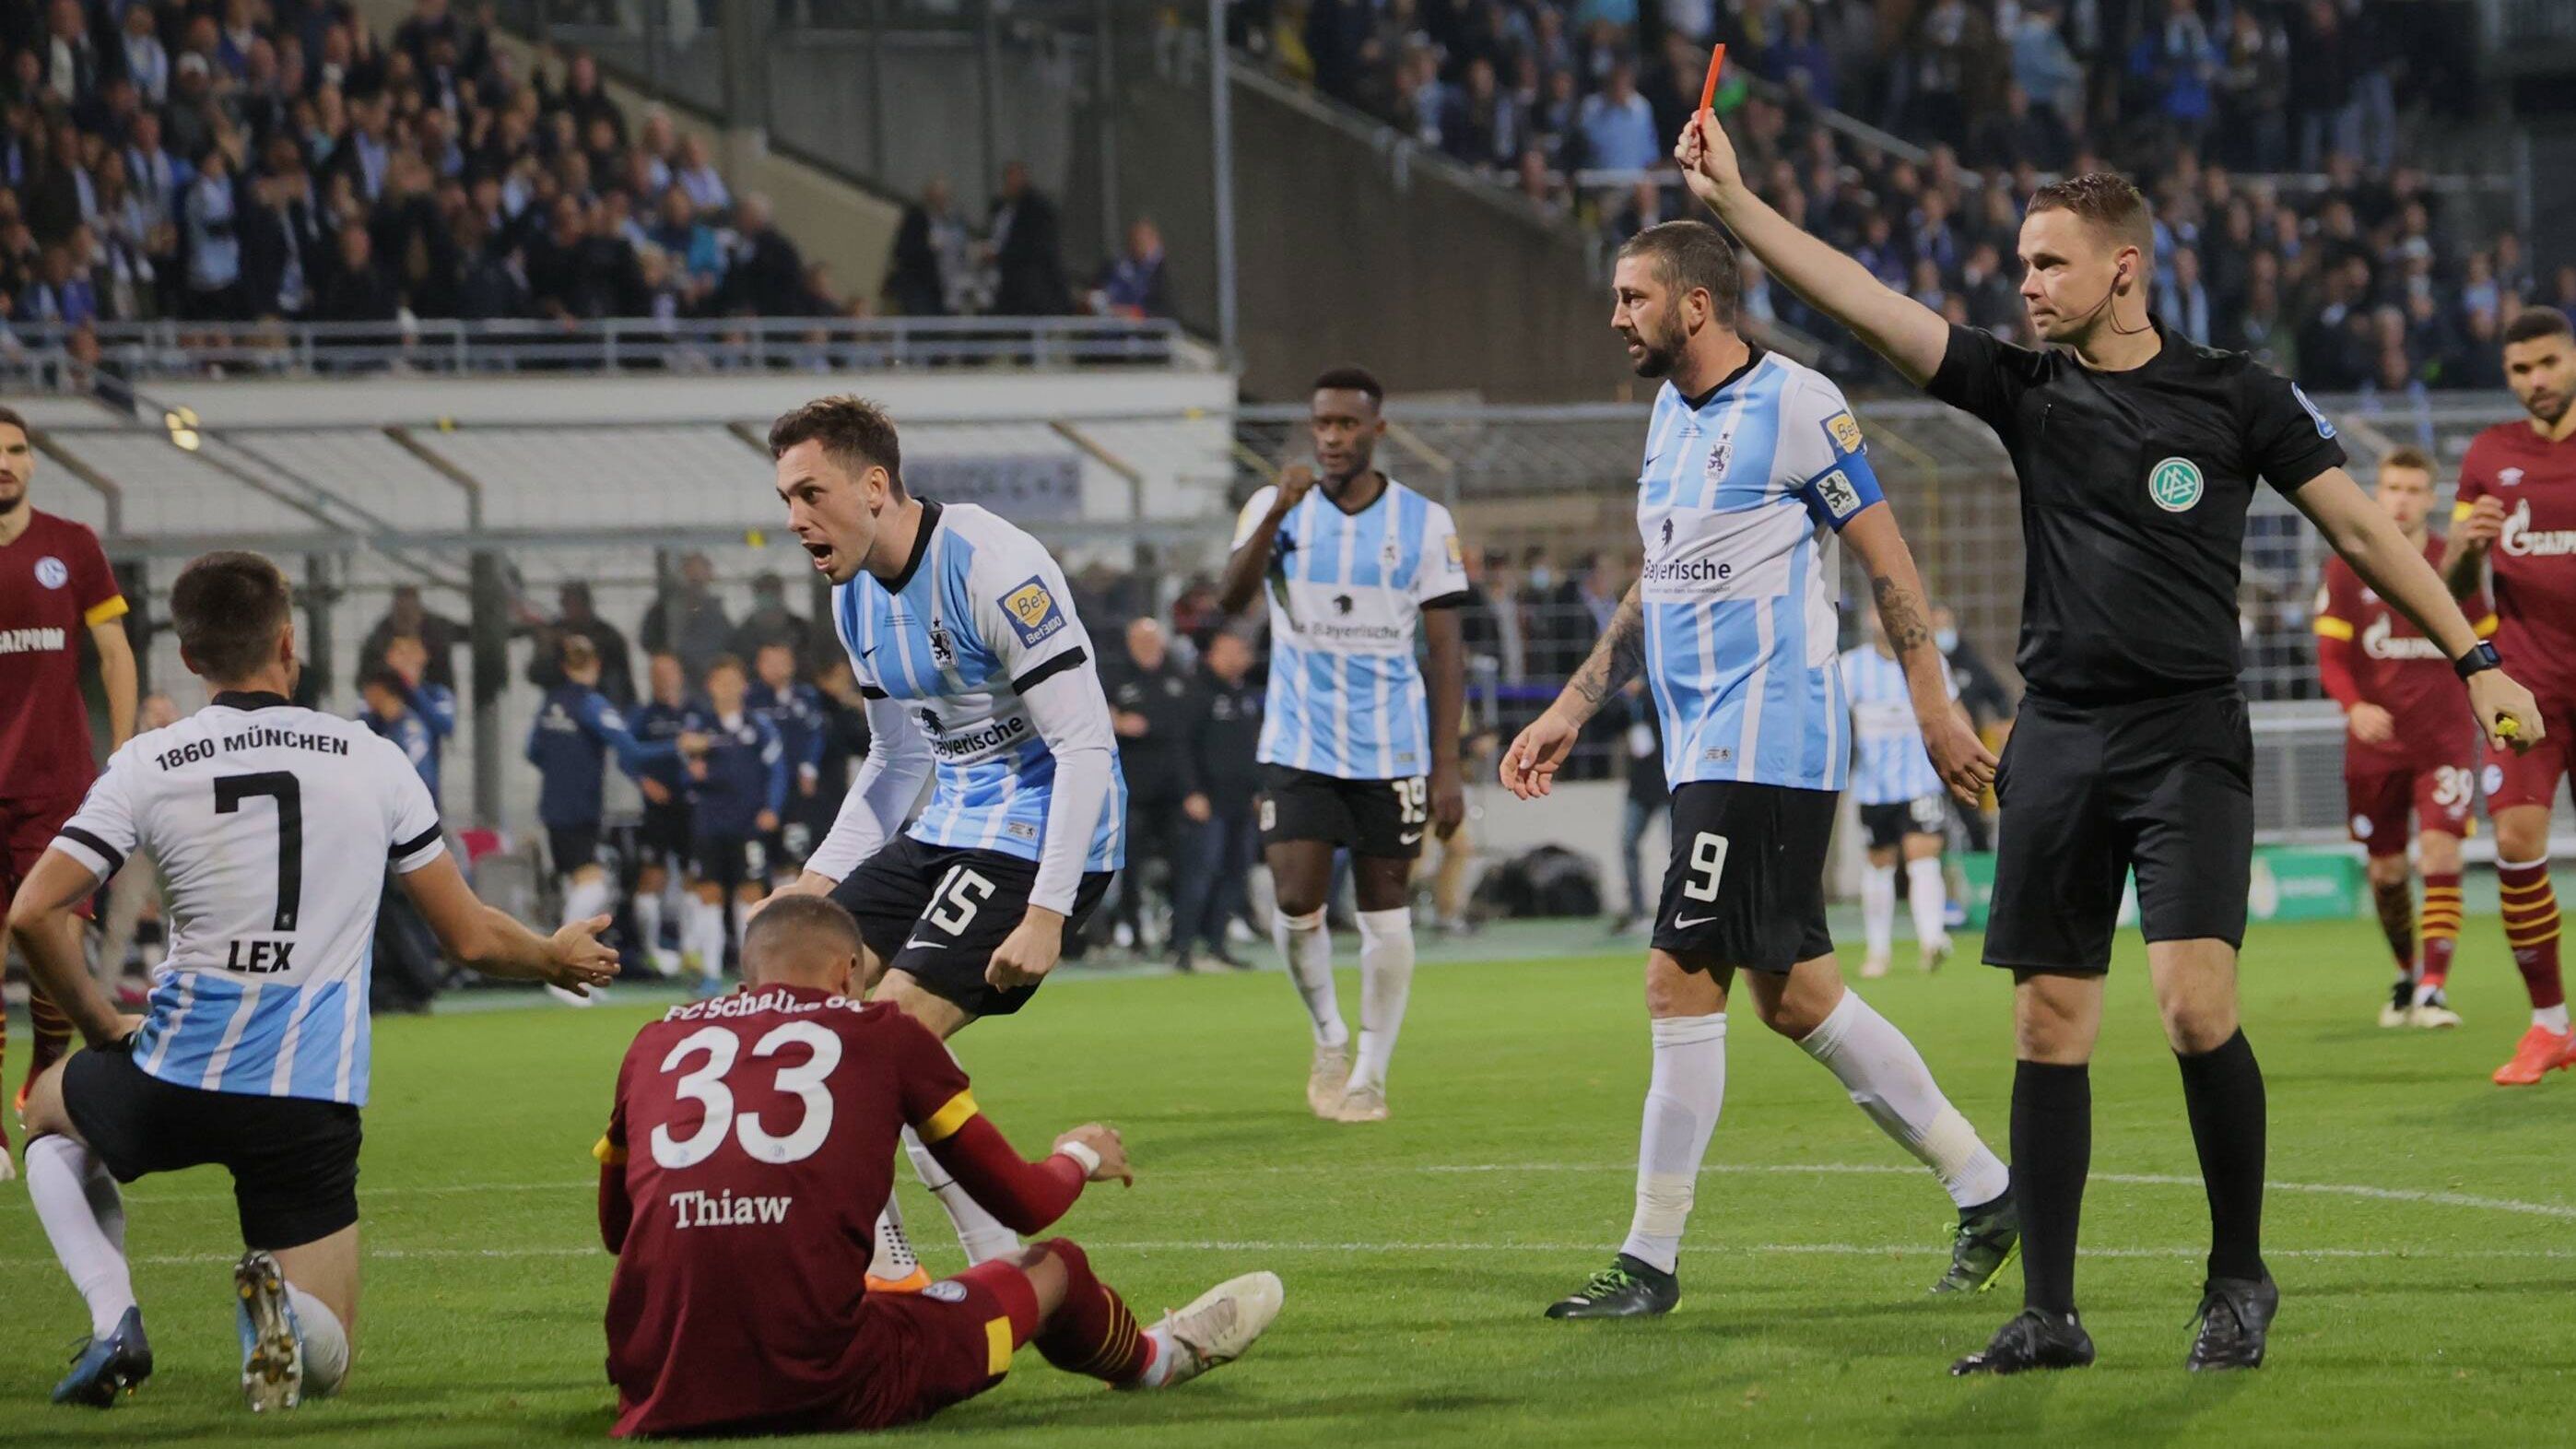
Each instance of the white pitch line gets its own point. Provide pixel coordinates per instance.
(1260, 1245)
(2560, 1212)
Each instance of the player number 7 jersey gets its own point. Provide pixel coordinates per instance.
(272, 827)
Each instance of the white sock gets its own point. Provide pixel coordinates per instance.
(1682, 1102)
(1386, 980)
(325, 1346)
(2552, 1017)
(1878, 909)
(741, 920)
(1888, 1080)
(1307, 948)
(1927, 893)
(1166, 1354)
(979, 1232)
(893, 1260)
(84, 1216)
(584, 899)
(648, 925)
(709, 934)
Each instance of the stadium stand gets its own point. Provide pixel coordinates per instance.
(2268, 134)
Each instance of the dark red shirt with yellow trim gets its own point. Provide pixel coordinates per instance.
(54, 585)
(751, 1146)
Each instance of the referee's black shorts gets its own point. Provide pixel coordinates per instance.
(2163, 785)
(294, 1160)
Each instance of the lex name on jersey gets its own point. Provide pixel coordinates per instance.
(1738, 503)
(272, 826)
(979, 616)
(1347, 591)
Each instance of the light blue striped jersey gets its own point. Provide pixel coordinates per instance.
(1738, 503)
(1891, 766)
(979, 615)
(1347, 591)
(272, 827)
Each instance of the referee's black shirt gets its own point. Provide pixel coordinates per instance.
(2134, 487)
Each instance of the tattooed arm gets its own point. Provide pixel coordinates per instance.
(1965, 764)
(1530, 765)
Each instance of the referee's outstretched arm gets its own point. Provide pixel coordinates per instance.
(1911, 336)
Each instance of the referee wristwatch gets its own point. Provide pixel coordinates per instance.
(2478, 660)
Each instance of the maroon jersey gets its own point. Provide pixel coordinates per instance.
(757, 1135)
(2369, 653)
(2535, 559)
(54, 584)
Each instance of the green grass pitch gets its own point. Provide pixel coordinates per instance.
(2423, 1229)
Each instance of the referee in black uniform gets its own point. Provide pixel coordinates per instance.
(2138, 455)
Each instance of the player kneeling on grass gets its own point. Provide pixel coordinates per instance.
(272, 826)
(750, 1148)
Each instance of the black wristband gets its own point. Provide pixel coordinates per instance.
(2478, 660)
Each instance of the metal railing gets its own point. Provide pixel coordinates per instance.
(48, 354)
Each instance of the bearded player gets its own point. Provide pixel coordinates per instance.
(2516, 515)
(751, 1140)
(54, 586)
(2411, 746)
(1754, 472)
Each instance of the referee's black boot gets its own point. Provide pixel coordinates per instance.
(2235, 1315)
(2034, 1339)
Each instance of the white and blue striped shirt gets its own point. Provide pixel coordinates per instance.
(1347, 592)
(978, 618)
(1892, 767)
(272, 827)
(1738, 503)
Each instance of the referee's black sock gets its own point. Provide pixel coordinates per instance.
(2052, 1148)
(2224, 1090)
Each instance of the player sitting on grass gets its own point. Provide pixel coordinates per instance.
(272, 826)
(750, 1148)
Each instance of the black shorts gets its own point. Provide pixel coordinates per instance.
(570, 847)
(665, 833)
(1383, 818)
(729, 860)
(294, 1160)
(1746, 886)
(937, 913)
(1888, 825)
(2165, 786)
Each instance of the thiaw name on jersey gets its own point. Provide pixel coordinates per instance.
(272, 826)
(980, 615)
(1347, 591)
(1738, 502)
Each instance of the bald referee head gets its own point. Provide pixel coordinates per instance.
(801, 940)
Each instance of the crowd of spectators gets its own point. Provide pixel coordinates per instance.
(2266, 131)
(940, 266)
(238, 160)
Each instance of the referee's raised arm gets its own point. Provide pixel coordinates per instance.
(1912, 337)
